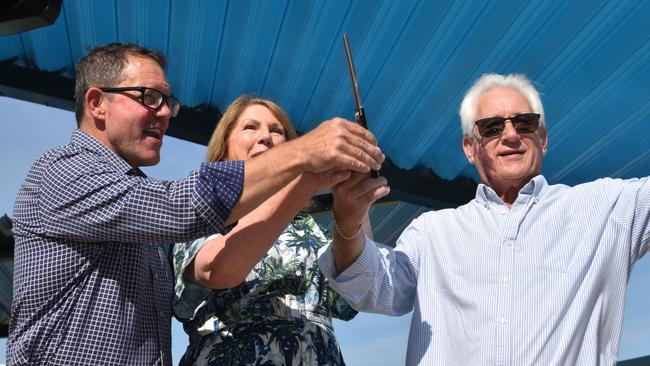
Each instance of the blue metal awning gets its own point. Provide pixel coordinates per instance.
(415, 59)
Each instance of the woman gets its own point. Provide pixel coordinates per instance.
(255, 296)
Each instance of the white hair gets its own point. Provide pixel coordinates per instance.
(487, 82)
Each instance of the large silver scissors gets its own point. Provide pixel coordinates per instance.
(359, 112)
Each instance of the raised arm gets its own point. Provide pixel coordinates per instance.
(226, 260)
(352, 200)
(370, 276)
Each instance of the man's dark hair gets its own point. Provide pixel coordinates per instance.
(103, 66)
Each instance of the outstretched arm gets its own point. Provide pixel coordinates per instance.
(352, 200)
(225, 261)
(369, 276)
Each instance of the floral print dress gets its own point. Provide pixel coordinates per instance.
(280, 315)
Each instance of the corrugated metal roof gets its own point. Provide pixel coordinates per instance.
(415, 59)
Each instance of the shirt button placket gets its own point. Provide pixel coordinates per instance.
(506, 262)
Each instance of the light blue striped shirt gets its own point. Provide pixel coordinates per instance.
(542, 283)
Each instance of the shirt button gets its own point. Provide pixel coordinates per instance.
(503, 321)
(505, 279)
(508, 243)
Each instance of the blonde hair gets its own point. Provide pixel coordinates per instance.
(218, 145)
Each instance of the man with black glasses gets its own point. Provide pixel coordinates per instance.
(92, 283)
(527, 273)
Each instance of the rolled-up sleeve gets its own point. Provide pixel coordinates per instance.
(218, 188)
(85, 198)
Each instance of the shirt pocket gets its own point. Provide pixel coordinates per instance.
(560, 232)
(557, 249)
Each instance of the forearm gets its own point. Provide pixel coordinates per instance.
(265, 175)
(225, 261)
(347, 245)
(352, 200)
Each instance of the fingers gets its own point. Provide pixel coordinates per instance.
(341, 144)
(364, 141)
(360, 185)
(377, 193)
(329, 178)
(335, 177)
(356, 154)
(359, 131)
(371, 155)
(353, 197)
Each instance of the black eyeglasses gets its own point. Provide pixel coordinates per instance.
(150, 98)
(494, 126)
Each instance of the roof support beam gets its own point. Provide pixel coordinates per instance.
(422, 188)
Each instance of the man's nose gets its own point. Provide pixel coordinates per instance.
(509, 130)
(164, 112)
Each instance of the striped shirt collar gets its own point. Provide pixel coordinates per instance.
(533, 189)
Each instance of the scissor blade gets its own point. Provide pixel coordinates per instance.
(359, 113)
(353, 73)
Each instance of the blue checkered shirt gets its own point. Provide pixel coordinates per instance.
(92, 279)
(541, 283)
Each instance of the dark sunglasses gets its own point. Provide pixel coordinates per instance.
(150, 98)
(494, 126)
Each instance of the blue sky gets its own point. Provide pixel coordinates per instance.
(29, 129)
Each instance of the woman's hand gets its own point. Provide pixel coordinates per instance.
(329, 178)
(353, 198)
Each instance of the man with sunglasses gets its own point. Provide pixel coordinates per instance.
(93, 284)
(526, 273)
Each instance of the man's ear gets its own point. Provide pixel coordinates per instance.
(543, 136)
(96, 103)
(468, 148)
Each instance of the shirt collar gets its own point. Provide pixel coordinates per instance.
(534, 188)
(89, 142)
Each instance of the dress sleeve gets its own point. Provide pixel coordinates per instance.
(187, 295)
(340, 308)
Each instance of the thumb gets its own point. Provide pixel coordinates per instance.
(338, 176)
